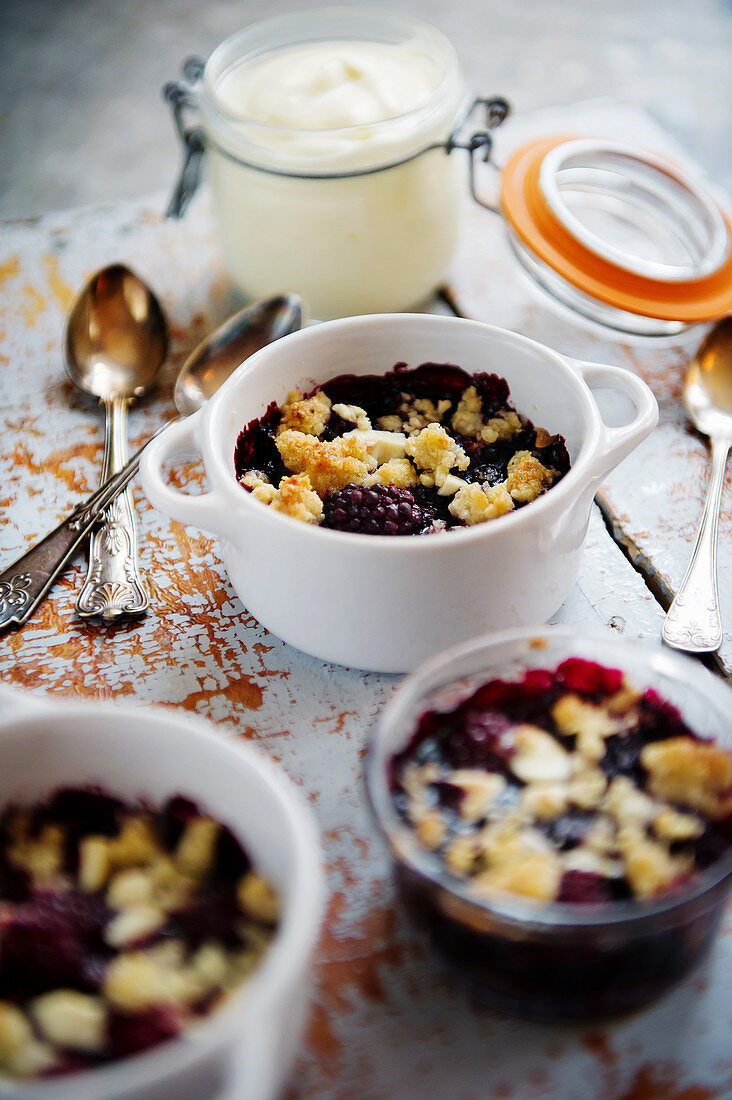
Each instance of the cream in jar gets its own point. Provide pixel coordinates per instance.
(308, 146)
(330, 85)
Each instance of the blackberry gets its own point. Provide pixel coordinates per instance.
(379, 510)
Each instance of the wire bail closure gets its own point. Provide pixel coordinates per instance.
(181, 97)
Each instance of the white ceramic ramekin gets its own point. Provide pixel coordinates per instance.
(384, 603)
(245, 1049)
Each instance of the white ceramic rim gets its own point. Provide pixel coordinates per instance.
(554, 914)
(714, 256)
(290, 949)
(211, 428)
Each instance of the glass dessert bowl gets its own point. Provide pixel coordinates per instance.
(635, 915)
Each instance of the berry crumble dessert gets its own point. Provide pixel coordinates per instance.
(409, 452)
(567, 785)
(120, 926)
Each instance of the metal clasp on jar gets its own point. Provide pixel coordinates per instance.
(181, 95)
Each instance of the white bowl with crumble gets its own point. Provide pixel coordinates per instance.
(559, 812)
(160, 897)
(386, 486)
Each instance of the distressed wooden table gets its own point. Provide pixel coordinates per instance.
(386, 1021)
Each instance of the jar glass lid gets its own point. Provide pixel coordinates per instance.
(621, 225)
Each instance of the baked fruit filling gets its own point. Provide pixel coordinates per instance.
(120, 926)
(409, 452)
(568, 786)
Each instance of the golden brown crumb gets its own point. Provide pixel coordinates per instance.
(544, 801)
(431, 831)
(257, 898)
(414, 415)
(543, 438)
(94, 863)
(648, 865)
(305, 414)
(462, 854)
(672, 825)
(590, 724)
(527, 478)
(136, 844)
(468, 416)
(196, 848)
(330, 466)
(260, 487)
(691, 773)
(476, 503)
(390, 423)
(42, 856)
(537, 875)
(398, 471)
(481, 790)
(628, 804)
(435, 451)
(587, 788)
(503, 426)
(296, 498)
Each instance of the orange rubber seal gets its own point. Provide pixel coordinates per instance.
(531, 218)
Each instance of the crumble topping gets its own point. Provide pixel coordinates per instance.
(329, 465)
(468, 420)
(477, 503)
(397, 471)
(433, 432)
(568, 785)
(527, 478)
(414, 414)
(696, 775)
(306, 414)
(149, 920)
(296, 497)
(433, 450)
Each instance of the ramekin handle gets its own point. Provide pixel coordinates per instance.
(207, 510)
(617, 443)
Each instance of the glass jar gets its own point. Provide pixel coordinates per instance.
(618, 234)
(357, 218)
(557, 961)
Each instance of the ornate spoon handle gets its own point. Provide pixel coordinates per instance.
(113, 585)
(24, 584)
(693, 622)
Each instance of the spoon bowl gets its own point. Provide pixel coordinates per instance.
(116, 336)
(708, 389)
(217, 357)
(694, 622)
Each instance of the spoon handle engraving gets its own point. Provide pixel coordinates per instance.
(25, 584)
(113, 585)
(693, 622)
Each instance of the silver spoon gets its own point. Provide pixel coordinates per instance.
(115, 343)
(693, 622)
(25, 583)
